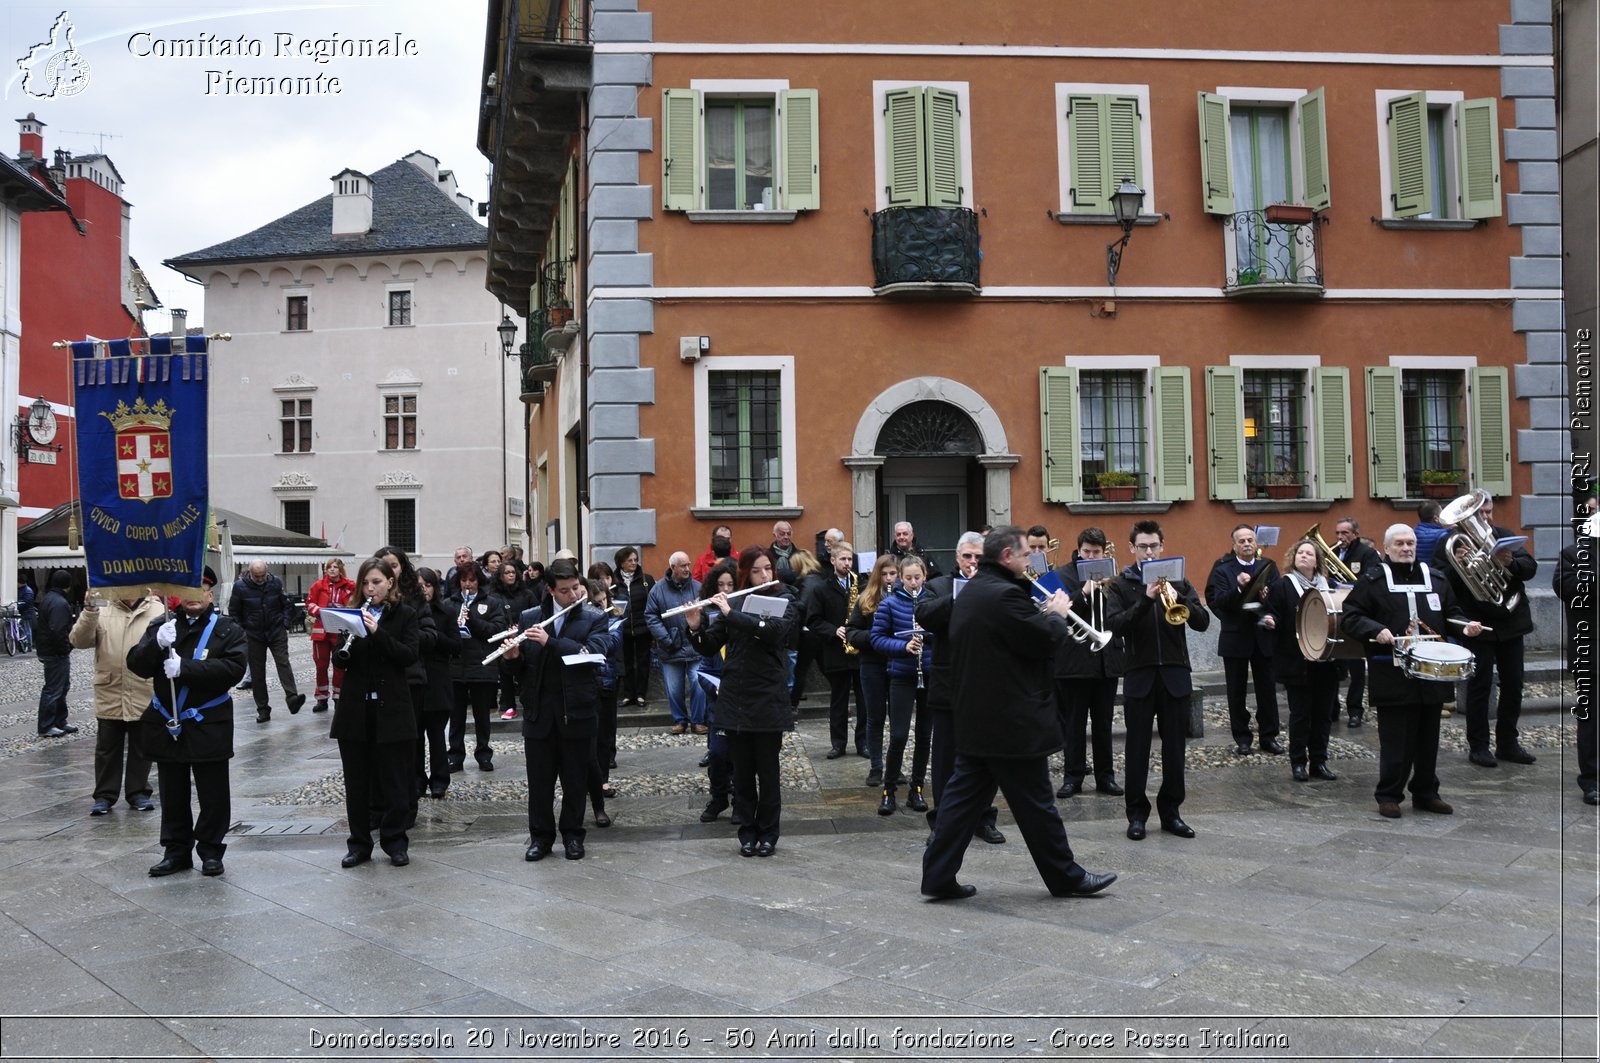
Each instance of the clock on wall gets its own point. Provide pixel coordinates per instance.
(41, 422)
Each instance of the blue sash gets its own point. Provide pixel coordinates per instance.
(175, 721)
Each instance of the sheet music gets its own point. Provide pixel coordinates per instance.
(339, 621)
(764, 605)
(1098, 568)
(1168, 568)
(1266, 535)
(583, 658)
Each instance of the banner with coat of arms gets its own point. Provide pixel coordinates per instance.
(142, 464)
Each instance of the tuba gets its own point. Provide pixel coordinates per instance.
(1474, 537)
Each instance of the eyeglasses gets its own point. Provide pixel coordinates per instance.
(1147, 546)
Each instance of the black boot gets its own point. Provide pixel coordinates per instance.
(887, 806)
(915, 801)
(714, 808)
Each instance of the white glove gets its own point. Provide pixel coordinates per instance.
(172, 665)
(167, 634)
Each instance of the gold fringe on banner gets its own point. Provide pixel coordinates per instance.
(74, 540)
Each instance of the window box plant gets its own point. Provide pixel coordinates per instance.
(1290, 214)
(1281, 484)
(1117, 485)
(1441, 483)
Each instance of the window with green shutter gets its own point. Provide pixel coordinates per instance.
(1173, 473)
(1386, 475)
(1330, 391)
(1058, 430)
(1104, 148)
(1444, 158)
(1274, 429)
(1490, 395)
(740, 152)
(1225, 432)
(923, 156)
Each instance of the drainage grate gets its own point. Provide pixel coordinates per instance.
(261, 830)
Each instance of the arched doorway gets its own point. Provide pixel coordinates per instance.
(931, 451)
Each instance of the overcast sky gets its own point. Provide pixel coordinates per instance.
(200, 164)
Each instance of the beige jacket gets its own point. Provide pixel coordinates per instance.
(114, 630)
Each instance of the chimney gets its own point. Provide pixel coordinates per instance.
(32, 140)
(180, 323)
(352, 203)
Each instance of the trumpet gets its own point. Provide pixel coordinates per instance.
(1174, 611)
(1082, 630)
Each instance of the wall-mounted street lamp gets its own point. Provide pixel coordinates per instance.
(508, 333)
(1125, 204)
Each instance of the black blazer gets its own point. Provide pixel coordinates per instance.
(1241, 635)
(1075, 659)
(375, 698)
(1154, 647)
(439, 644)
(1289, 664)
(754, 695)
(551, 690)
(484, 618)
(824, 604)
(1508, 624)
(933, 613)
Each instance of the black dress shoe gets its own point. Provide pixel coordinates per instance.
(1591, 797)
(171, 865)
(766, 848)
(1273, 746)
(1322, 771)
(1089, 885)
(1069, 788)
(295, 701)
(1301, 774)
(875, 778)
(574, 848)
(747, 848)
(537, 851)
(143, 804)
(601, 819)
(1242, 749)
(400, 859)
(861, 751)
(263, 715)
(836, 752)
(915, 801)
(1515, 754)
(211, 867)
(355, 857)
(1108, 787)
(1177, 826)
(438, 792)
(989, 833)
(714, 808)
(485, 764)
(953, 891)
(456, 765)
(320, 706)
(705, 761)
(1354, 721)
(1136, 830)
(1483, 758)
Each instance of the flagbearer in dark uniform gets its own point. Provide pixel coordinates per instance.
(195, 656)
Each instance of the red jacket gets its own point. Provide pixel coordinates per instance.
(324, 593)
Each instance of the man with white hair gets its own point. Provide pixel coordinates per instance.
(906, 545)
(1391, 602)
(680, 661)
(451, 584)
(783, 550)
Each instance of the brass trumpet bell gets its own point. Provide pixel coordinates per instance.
(1173, 610)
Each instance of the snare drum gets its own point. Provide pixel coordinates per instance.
(1316, 627)
(1444, 662)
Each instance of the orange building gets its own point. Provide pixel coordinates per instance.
(852, 268)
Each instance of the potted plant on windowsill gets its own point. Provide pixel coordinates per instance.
(1441, 483)
(1117, 485)
(1281, 484)
(1290, 214)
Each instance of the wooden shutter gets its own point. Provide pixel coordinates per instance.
(1478, 145)
(800, 185)
(1386, 473)
(1330, 398)
(942, 129)
(1086, 143)
(1227, 474)
(1058, 418)
(1314, 150)
(1173, 473)
(681, 158)
(1216, 178)
(1488, 396)
(1410, 174)
(905, 165)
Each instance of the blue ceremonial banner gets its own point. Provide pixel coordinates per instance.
(142, 461)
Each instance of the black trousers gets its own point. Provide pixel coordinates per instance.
(805, 654)
(1505, 658)
(1357, 671)
(942, 764)
(377, 785)
(180, 830)
(110, 769)
(840, 685)
(605, 739)
(508, 684)
(1090, 701)
(969, 793)
(635, 665)
(757, 796)
(557, 756)
(433, 756)
(1312, 709)
(1588, 751)
(480, 697)
(719, 770)
(1161, 713)
(1238, 672)
(1408, 748)
(907, 706)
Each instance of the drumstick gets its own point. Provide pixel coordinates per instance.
(1464, 623)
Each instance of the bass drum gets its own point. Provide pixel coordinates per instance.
(1316, 627)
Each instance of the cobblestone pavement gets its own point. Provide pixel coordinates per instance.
(1297, 924)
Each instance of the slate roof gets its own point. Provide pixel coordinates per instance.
(409, 213)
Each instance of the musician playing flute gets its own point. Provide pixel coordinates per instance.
(1312, 687)
(1389, 606)
(1239, 580)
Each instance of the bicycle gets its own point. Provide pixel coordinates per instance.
(11, 636)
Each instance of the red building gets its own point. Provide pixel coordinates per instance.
(77, 282)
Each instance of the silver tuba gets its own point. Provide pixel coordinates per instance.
(1475, 538)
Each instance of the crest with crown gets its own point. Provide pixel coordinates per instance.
(125, 418)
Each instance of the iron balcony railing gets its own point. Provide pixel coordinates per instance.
(1271, 253)
(933, 246)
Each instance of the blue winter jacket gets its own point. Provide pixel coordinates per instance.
(896, 613)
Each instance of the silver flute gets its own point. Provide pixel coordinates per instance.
(514, 637)
(707, 601)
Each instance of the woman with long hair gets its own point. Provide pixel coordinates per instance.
(1312, 686)
(514, 597)
(804, 567)
(410, 590)
(753, 699)
(722, 579)
(874, 665)
(909, 660)
(334, 589)
(633, 585)
(433, 758)
(374, 722)
(477, 616)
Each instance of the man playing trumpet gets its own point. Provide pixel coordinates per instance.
(1086, 678)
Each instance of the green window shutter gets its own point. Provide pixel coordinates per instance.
(1478, 141)
(905, 165)
(801, 185)
(1122, 142)
(1410, 173)
(1216, 178)
(1058, 417)
(1227, 476)
(681, 150)
(1386, 474)
(1173, 475)
(1314, 149)
(942, 126)
(1331, 399)
(1086, 143)
(1489, 398)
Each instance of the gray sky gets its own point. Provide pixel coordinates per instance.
(201, 165)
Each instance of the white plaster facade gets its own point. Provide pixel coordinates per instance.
(10, 369)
